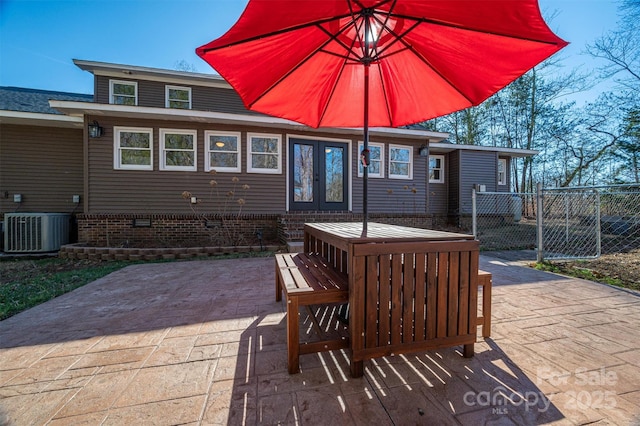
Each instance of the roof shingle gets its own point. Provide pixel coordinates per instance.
(34, 100)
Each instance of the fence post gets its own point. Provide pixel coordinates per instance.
(474, 211)
(539, 220)
(598, 226)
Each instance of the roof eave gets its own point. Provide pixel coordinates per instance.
(95, 109)
(151, 74)
(40, 119)
(443, 148)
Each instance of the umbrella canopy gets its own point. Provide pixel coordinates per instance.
(361, 63)
(302, 60)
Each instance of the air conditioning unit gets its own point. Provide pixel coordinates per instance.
(35, 232)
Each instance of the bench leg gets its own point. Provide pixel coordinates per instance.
(486, 309)
(293, 335)
(278, 285)
(468, 351)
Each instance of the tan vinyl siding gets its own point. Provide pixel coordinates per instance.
(476, 167)
(156, 191)
(101, 90)
(218, 100)
(152, 94)
(44, 164)
(390, 195)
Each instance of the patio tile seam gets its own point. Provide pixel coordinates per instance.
(136, 371)
(589, 309)
(596, 324)
(205, 404)
(367, 378)
(113, 408)
(63, 404)
(625, 362)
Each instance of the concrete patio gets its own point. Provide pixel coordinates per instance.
(203, 342)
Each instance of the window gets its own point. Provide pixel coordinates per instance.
(436, 168)
(376, 160)
(223, 151)
(502, 171)
(178, 97)
(123, 92)
(400, 162)
(178, 149)
(133, 148)
(264, 153)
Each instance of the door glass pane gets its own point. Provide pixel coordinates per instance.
(334, 160)
(302, 173)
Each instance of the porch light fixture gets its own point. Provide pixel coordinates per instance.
(423, 151)
(95, 131)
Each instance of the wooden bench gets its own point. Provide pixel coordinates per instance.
(484, 281)
(308, 280)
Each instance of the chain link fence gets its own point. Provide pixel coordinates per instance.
(504, 221)
(620, 218)
(570, 224)
(561, 223)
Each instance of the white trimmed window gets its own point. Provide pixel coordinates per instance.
(400, 162)
(264, 153)
(178, 149)
(222, 151)
(502, 171)
(376, 160)
(178, 97)
(123, 92)
(436, 168)
(133, 148)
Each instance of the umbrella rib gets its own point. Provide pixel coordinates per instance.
(303, 61)
(318, 23)
(430, 65)
(333, 91)
(334, 37)
(384, 93)
(460, 27)
(400, 38)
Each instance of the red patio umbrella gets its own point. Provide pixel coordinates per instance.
(361, 63)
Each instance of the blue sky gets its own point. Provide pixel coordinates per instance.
(39, 39)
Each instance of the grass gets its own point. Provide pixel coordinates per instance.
(26, 283)
(39, 281)
(577, 272)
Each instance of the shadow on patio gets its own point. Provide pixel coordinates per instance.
(204, 342)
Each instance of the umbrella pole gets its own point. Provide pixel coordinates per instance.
(365, 152)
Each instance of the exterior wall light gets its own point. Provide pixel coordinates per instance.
(95, 131)
(423, 151)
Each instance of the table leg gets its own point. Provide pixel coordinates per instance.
(468, 350)
(486, 309)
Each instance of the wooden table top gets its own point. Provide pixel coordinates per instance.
(380, 232)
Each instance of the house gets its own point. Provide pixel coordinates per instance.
(134, 164)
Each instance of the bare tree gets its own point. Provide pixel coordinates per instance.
(183, 65)
(620, 49)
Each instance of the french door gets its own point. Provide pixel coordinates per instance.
(318, 175)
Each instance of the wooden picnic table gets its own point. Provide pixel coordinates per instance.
(410, 289)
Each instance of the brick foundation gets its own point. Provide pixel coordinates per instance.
(138, 230)
(185, 230)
